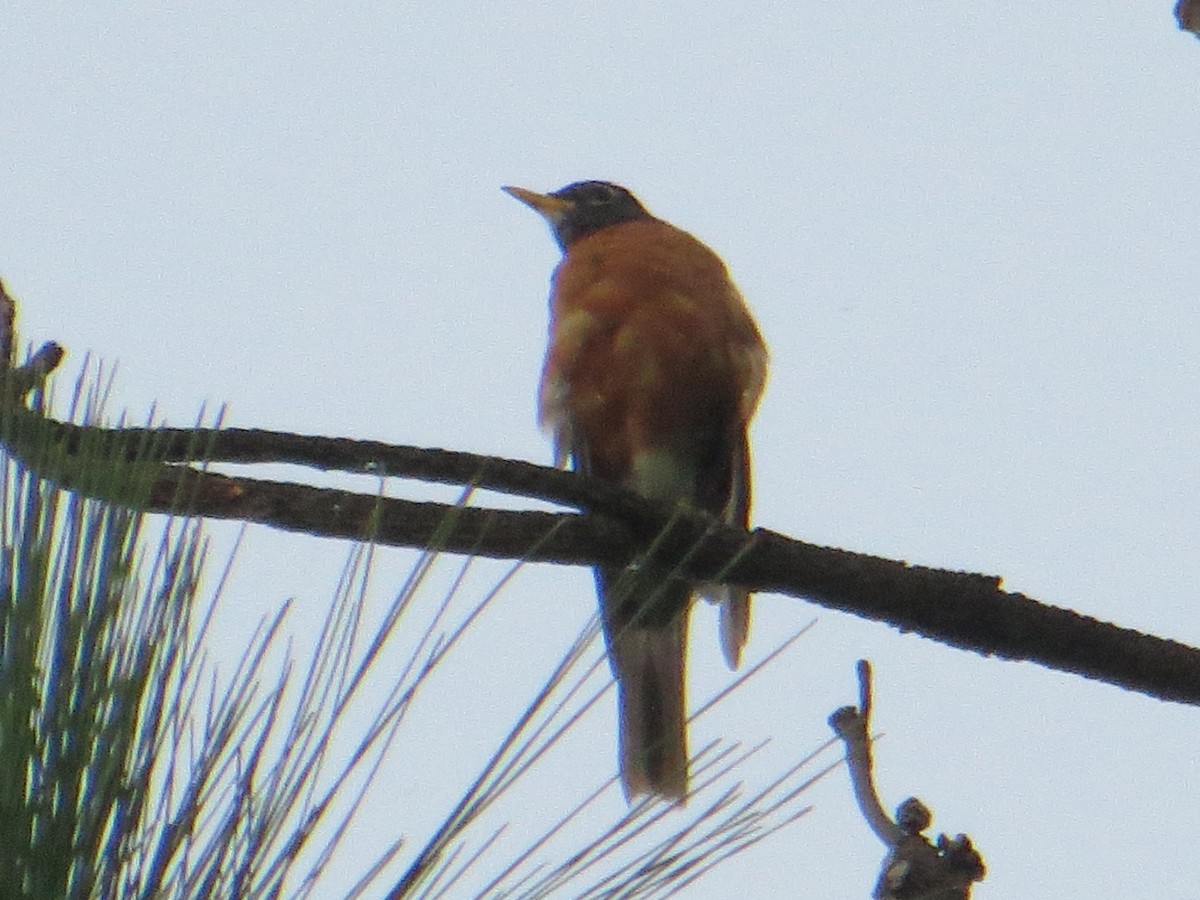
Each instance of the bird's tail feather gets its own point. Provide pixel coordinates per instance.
(734, 619)
(653, 708)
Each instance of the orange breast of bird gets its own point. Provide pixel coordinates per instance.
(652, 352)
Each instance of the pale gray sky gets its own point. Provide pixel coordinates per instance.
(967, 232)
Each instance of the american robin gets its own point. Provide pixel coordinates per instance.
(653, 371)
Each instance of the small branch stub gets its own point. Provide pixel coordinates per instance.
(915, 868)
(1187, 14)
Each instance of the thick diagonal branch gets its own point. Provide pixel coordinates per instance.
(607, 525)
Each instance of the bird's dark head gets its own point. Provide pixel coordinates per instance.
(581, 208)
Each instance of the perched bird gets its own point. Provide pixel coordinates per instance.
(653, 371)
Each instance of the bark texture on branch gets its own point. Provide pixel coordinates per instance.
(163, 471)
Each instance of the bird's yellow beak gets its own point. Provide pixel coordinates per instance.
(547, 205)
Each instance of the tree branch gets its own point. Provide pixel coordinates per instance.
(609, 526)
(914, 866)
(1187, 14)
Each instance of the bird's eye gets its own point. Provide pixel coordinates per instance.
(601, 194)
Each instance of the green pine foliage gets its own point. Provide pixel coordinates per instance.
(131, 766)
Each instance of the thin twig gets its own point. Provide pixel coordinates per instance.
(914, 867)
